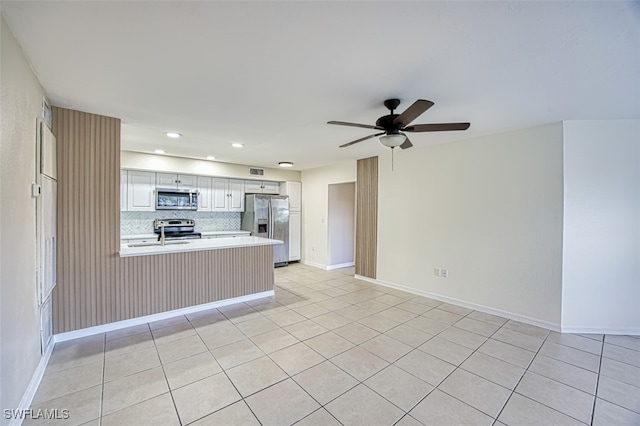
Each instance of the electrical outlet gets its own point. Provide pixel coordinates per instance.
(444, 273)
(436, 272)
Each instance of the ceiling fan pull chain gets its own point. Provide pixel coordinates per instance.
(391, 159)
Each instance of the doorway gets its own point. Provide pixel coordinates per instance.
(341, 225)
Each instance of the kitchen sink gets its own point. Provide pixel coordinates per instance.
(157, 243)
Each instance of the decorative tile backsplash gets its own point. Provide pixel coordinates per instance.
(133, 223)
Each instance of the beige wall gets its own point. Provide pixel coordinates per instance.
(141, 161)
(21, 102)
(315, 207)
(487, 209)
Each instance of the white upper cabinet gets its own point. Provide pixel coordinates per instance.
(172, 180)
(253, 186)
(138, 190)
(294, 191)
(205, 193)
(166, 180)
(220, 195)
(261, 187)
(141, 191)
(228, 195)
(123, 190)
(270, 187)
(236, 197)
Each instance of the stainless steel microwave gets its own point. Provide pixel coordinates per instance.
(176, 199)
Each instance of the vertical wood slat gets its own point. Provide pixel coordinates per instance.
(367, 217)
(94, 285)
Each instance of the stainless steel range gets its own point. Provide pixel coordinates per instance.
(176, 229)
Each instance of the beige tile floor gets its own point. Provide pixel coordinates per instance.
(329, 349)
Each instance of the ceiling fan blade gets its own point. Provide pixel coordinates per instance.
(406, 144)
(343, 123)
(437, 127)
(411, 113)
(360, 140)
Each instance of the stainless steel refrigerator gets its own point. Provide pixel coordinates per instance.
(267, 216)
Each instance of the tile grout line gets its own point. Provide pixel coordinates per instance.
(242, 398)
(595, 396)
(164, 373)
(495, 419)
(522, 376)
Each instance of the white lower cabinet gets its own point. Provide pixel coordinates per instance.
(141, 191)
(295, 232)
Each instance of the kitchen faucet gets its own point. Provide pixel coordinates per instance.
(162, 225)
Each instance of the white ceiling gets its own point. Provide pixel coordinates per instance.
(271, 74)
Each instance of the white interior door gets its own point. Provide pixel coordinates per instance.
(48, 238)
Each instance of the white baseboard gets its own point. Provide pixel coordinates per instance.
(76, 334)
(30, 392)
(314, 264)
(601, 330)
(327, 267)
(486, 309)
(339, 266)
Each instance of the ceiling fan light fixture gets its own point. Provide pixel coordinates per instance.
(392, 140)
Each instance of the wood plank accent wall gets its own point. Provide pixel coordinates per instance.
(367, 217)
(94, 285)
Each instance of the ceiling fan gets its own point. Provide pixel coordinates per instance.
(393, 125)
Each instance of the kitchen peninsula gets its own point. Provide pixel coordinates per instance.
(193, 274)
(99, 287)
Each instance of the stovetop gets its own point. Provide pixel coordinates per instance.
(176, 228)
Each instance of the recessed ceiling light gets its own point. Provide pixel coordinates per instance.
(173, 135)
(237, 145)
(285, 164)
(210, 157)
(159, 151)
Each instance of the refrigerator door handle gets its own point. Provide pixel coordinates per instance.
(270, 212)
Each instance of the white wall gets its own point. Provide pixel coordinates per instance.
(141, 161)
(341, 222)
(487, 209)
(601, 255)
(21, 102)
(315, 205)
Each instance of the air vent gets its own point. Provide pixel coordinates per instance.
(256, 172)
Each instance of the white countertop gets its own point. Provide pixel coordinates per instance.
(207, 233)
(196, 245)
(204, 234)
